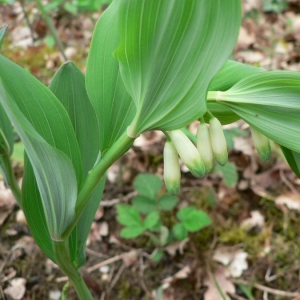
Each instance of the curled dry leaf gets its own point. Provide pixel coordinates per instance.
(256, 219)
(233, 258)
(291, 201)
(218, 279)
(181, 274)
(17, 289)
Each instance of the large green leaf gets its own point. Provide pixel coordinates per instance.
(270, 102)
(231, 73)
(54, 172)
(112, 103)
(68, 85)
(169, 51)
(45, 113)
(293, 159)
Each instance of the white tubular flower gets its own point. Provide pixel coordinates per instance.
(188, 152)
(172, 173)
(218, 141)
(204, 147)
(261, 144)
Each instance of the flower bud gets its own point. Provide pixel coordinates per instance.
(188, 152)
(218, 141)
(261, 144)
(172, 173)
(4, 146)
(204, 147)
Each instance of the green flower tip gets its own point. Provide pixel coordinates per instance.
(261, 144)
(4, 145)
(172, 175)
(204, 147)
(188, 153)
(218, 141)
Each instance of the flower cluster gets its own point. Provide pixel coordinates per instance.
(211, 143)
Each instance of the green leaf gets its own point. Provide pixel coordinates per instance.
(7, 130)
(112, 103)
(167, 202)
(269, 101)
(53, 170)
(196, 220)
(151, 220)
(50, 120)
(179, 231)
(18, 154)
(163, 235)
(169, 51)
(131, 232)
(144, 204)
(147, 185)
(229, 173)
(128, 216)
(2, 33)
(231, 73)
(184, 212)
(293, 159)
(68, 85)
(157, 255)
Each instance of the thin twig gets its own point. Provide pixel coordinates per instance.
(268, 289)
(285, 180)
(95, 253)
(141, 277)
(113, 283)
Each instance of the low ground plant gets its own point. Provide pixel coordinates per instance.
(152, 65)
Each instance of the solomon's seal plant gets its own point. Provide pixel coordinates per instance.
(153, 64)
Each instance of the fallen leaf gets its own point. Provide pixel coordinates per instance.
(256, 219)
(291, 201)
(181, 274)
(235, 260)
(216, 281)
(17, 289)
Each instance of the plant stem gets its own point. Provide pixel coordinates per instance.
(10, 178)
(117, 150)
(63, 259)
(52, 29)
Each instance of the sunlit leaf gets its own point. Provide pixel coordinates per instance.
(68, 85)
(169, 51)
(50, 120)
(268, 101)
(231, 73)
(112, 103)
(54, 172)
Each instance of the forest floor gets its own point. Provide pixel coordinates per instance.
(252, 248)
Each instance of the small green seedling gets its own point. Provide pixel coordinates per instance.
(144, 216)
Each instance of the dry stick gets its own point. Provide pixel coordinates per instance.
(141, 277)
(287, 182)
(94, 253)
(113, 283)
(268, 289)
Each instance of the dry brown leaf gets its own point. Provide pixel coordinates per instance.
(256, 219)
(103, 229)
(221, 277)
(171, 249)
(130, 257)
(234, 258)
(291, 201)
(181, 274)
(17, 289)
